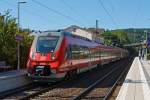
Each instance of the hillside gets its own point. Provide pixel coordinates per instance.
(137, 34)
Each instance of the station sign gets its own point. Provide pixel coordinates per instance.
(19, 37)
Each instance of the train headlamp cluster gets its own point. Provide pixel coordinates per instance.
(53, 56)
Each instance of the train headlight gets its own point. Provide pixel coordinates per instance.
(53, 56)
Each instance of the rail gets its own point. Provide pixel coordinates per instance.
(92, 86)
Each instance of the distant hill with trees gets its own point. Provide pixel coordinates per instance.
(137, 34)
(125, 36)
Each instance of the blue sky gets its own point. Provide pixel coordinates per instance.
(112, 14)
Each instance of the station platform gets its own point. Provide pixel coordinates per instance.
(137, 82)
(13, 73)
(13, 79)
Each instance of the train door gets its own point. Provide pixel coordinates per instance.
(69, 56)
(90, 57)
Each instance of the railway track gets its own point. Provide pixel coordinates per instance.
(92, 86)
(98, 89)
(81, 88)
(35, 89)
(23, 93)
(76, 88)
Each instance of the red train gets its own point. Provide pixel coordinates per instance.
(57, 55)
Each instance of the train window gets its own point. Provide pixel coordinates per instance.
(97, 53)
(101, 53)
(92, 51)
(80, 52)
(46, 44)
(104, 53)
(75, 52)
(69, 54)
(84, 52)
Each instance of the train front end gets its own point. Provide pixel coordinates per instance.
(44, 58)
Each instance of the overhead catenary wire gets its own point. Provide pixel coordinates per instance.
(73, 10)
(112, 19)
(111, 5)
(64, 2)
(56, 12)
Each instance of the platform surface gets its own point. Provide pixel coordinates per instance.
(137, 83)
(13, 73)
(11, 80)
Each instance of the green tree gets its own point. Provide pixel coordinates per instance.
(121, 36)
(108, 37)
(117, 37)
(8, 44)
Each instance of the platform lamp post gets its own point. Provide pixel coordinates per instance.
(146, 45)
(17, 37)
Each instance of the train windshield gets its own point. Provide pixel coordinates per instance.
(46, 44)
